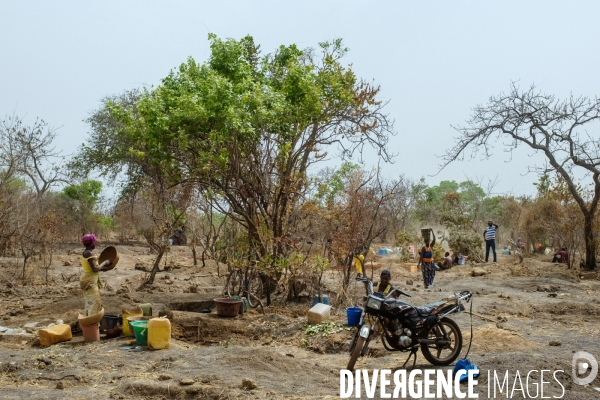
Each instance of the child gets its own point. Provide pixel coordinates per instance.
(384, 285)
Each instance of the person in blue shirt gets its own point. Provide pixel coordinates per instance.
(489, 234)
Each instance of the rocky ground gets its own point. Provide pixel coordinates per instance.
(529, 316)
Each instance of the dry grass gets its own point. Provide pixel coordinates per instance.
(489, 338)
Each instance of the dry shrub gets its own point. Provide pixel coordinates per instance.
(524, 269)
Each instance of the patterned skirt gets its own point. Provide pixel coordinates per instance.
(428, 273)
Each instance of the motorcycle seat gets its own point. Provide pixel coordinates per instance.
(427, 309)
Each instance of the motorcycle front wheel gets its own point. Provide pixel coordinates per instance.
(443, 354)
(354, 339)
(358, 347)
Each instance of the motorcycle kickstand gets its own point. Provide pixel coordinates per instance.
(413, 352)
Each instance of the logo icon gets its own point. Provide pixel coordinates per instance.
(582, 361)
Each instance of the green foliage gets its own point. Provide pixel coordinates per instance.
(461, 237)
(87, 192)
(325, 328)
(438, 250)
(543, 185)
(105, 222)
(332, 186)
(435, 194)
(14, 184)
(403, 239)
(177, 216)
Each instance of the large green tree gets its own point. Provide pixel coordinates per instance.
(246, 126)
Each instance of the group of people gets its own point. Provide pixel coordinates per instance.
(426, 260)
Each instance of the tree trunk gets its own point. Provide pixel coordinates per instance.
(156, 266)
(268, 289)
(194, 254)
(590, 243)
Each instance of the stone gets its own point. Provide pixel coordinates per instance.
(67, 263)
(409, 282)
(248, 384)
(478, 272)
(547, 288)
(164, 377)
(60, 385)
(140, 267)
(555, 343)
(46, 361)
(186, 381)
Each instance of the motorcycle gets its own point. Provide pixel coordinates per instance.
(406, 328)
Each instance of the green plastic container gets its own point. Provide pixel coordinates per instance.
(140, 329)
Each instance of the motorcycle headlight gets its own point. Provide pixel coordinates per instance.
(374, 303)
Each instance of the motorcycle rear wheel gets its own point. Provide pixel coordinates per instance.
(358, 347)
(433, 352)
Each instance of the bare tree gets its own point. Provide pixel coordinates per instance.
(28, 152)
(555, 128)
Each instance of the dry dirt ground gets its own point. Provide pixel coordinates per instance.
(525, 308)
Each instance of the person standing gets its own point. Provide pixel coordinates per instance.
(489, 234)
(89, 281)
(359, 264)
(426, 261)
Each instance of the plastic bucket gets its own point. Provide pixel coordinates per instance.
(146, 309)
(354, 314)
(109, 321)
(316, 300)
(91, 333)
(140, 328)
(129, 320)
(126, 330)
(227, 307)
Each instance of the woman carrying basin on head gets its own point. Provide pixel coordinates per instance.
(90, 277)
(426, 259)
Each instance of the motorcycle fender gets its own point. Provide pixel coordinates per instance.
(364, 331)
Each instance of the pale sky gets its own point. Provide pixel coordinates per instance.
(434, 60)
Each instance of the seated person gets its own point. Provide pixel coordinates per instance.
(384, 285)
(564, 256)
(447, 263)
